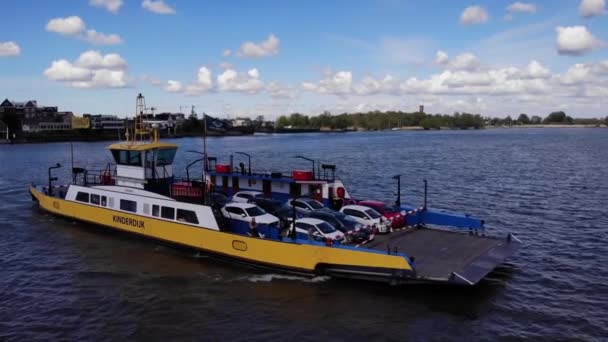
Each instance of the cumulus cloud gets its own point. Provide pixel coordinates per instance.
(95, 60)
(522, 7)
(109, 5)
(465, 61)
(90, 70)
(265, 48)
(536, 70)
(333, 83)
(576, 74)
(590, 8)
(227, 53)
(158, 7)
(98, 38)
(370, 85)
(231, 80)
(474, 15)
(441, 58)
(75, 27)
(9, 49)
(278, 90)
(203, 83)
(575, 40)
(173, 86)
(67, 26)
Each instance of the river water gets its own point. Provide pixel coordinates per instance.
(66, 280)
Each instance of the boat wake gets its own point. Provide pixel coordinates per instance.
(266, 278)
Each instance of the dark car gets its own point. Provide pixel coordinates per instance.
(353, 230)
(218, 199)
(270, 205)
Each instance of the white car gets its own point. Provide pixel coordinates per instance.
(246, 211)
(245, 196)
(316, 229)
(367, 216)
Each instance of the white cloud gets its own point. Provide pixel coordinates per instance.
(537, 70)
(98, 38)
(265, 48)
(95, 60)
(90, 70)
(158, 7)
(575, 40)
(441, 58)
(203, 83)
(173, 86)
(465, 61)
(227, 53)
(67, 26)
(474, 15)
(231, 80)
(63, 70)
(333, 83)
(109, 5)
(522, 7)
(151, 79)
(369, 85)
(576, 74)
(9, 49)
(226, 65)
(278, 90)
(590, 8)
(75, 27)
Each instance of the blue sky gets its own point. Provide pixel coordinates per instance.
(231, 58)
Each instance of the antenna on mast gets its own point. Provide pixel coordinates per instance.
(141, 132)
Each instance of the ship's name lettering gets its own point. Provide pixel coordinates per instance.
(129, 221)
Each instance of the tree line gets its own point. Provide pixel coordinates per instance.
(377, 120)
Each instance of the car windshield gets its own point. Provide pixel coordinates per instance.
(373, 214)
(326, 228)
(255, 211)
(314, 204)
(348, 222)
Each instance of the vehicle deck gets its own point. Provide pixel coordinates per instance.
(442, 255)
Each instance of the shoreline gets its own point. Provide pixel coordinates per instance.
(104, 136)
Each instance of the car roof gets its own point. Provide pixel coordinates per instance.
(310, 220)
(250, 192)
(241, 205)
(372, 202)
(306, 199)
(356, 207)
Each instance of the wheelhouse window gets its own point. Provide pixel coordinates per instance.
(82, 197)
(165, 156)
(167, 212)
(128, 205)
(127, 157)
(95, 199)
(187, 216)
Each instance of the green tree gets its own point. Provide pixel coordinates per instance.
(282, 121)
(523, 119)
(558, 117)
(536, 120)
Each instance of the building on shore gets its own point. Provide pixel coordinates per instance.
(28, 116)
(105, 121)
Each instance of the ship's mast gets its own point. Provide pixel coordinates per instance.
(141, 132)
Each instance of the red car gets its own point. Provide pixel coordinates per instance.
(391, 212)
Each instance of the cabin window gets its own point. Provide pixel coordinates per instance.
(104, 201)
(146, 208)
(126, 157)
(167, 212)
(111, 202)
(165, 156)
(82, 197)
(187, 216)
(128, 205)
(95, 199)
(155, 210)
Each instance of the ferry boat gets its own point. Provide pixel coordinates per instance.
(141, 195)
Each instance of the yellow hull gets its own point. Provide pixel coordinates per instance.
(306, 258)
